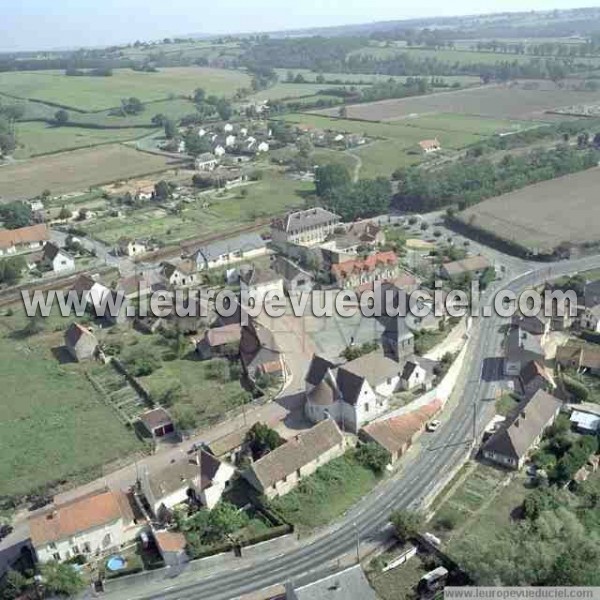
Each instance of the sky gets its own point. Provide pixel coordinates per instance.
(46, 24)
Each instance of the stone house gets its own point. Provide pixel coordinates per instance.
(220, 341)
(280, 471)
(158, 422)
(80, 342)
(181, 274)
(131, 247)
(380, 266)
(305, 227)
(510, 445)
(581, 357)
(295, 278)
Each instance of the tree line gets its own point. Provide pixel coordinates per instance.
(469, 181)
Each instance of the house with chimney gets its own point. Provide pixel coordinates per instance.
(90, 525)
(305, 227)
(522, 431)
(200, 479)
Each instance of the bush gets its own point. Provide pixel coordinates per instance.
(579, 392)
(218, 368)
(406, 523)
(373, 456)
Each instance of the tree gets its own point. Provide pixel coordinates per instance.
(330, 178)
(162, 191)
(224, 109)
(61, 117)
(132, 106)
(373, 456)
(15, 215)
(196, 145)
(65, 213)
(199, 95)
(11, 269)
(262, 440)
(61, 578)
(170, 128)
(406, 523)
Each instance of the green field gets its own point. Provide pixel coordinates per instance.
(53, 425)
(35, 138)
(396, 143)
(283, 91)
(272, 195)
(100, 93)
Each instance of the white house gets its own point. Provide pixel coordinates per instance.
(90, 290)
(590, 319)
(413, 375)
(259, 282)
(230, 140)
(305, 227)
(57, 259)
(228, 128)
(352, 394)
(129, 247)
(201, 132)
(205, 162)
(262, 147)
(243, 131)
(219, 151)
(181, 274)
(23, 239)
(224, 252)
(89, 525)
(201, 479)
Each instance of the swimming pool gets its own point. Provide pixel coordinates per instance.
(116, 563)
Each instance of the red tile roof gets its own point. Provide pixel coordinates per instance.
(24, 235)
(368, 264)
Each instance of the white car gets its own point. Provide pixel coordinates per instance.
(432, 425)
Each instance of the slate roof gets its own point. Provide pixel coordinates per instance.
(519, 431)
(519, 341)
(157, 417)
(317, 369)
(409, 368)
(322, 394)
(290, 270)
(297, 452)
(245, 243)
(303, 219)
(532, 370)
(349, 584)
(62, 521)
(51, 251)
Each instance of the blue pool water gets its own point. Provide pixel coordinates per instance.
(116, 563)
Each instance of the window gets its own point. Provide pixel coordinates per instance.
(106, 540)
(52, 545)
(367, 407)
(75, 549)
(87, 548)
(56, 556)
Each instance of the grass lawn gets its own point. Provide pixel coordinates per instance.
(272, 195)
(36, 138)
(98, 93)
(53, 426)
(327, 494)
(505, 404)
(399, 583)
(281, 91)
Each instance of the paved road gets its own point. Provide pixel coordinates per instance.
(469, 410)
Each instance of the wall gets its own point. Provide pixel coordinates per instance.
(97, 538)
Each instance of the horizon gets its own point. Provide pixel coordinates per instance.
(67, 19)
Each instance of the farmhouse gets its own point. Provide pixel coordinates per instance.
(582, 357)
(90, 290)
(56, 259)
(355, 273)
(205, 162)
(281, 470)
(223, 252)
(220, 341)
(473, 266)
(80, 342)
(396, 434)
(129, 247)
(201, 479)
(24, 239)
(180, 274)
(259, 352)
(305, 227)
(511, 444)
(89, 525)
(429, 146)
(157, 422)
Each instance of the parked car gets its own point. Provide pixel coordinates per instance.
(432, 425)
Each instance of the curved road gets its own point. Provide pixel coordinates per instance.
(418, 477)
